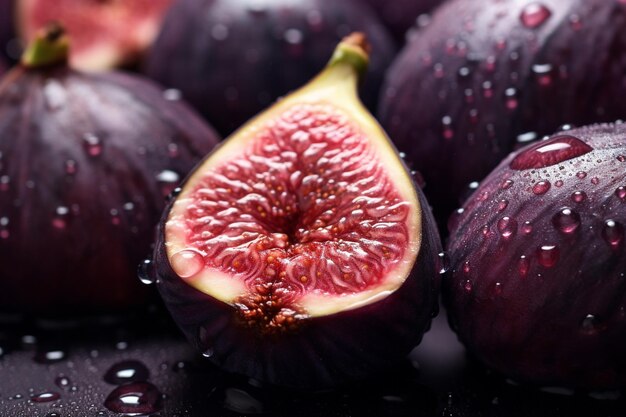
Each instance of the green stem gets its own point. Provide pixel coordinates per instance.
(354, 51)
(49, 48)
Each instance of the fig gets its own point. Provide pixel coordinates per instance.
(85, 162)
(232, 59)
(485, 75)
(537, 288)
(400, 15)
(300, 252)
(105, 34)
(6, 26)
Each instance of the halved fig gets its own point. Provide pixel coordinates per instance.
(105, 33)
(300, 252)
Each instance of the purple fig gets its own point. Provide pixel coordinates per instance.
(400, 15)
(485, 73)
(231, 59)
(300, 252)
(538, 262)
(85, 164)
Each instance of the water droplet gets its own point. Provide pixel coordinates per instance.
(566, 220)
(4, 182)
(168, 180)
(293, 36)
(523, 265)
(548, 255)
(550, 152)
(581, 174)
(575, 22)
(135, 397)
(527, 228)
(507, 227)
(443, 262)
(559, 183)
(589, 324)
(541, 187)
(579, 196)
(146, 272)
(59, 220)
(70, 167)
(613, 233)
(50, 356)
(455, 219)
(126, 371)
(219, 32)
(62, 381)
(45, 397)
(172, 94)
(511, 98)
(524, 139)
(506, 184)
(466, 267)
(467, 286)
(621, 158)
(187, 263)
(621, 193)
(502, 205)
(173, 151)
(497, 288)
(207, 353)
(92, 144)
(543, 74)
(595, 180)
(534, 15)
(448, 133)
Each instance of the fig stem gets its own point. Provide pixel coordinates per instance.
(49, 48)
(353, 50)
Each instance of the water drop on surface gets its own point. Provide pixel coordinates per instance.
(187, 263)
(506, 184)
(70, 167)
(589, 324)
(146, 272)
(621, 158)
(579, 196)
(467, 286)
(543, 74)
(126, 371)
(135, 397)
(581, 174)
(507, 227)
(45, 397)
(50, 356)
(534, 15)
(168, 180)
(208, 353)
(551, 152)
(595, 180)
(523, 266)
(172, 94)
(613, 233)
(621, 193)
(92, 144)
(541, 187)
(566, 220)
(548, 255)
(502, 205)
(62, 381)
(443, 262)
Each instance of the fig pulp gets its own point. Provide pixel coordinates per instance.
(300, 252)
(232, 59)
(538, 258)
(486, 74)
(105, 34)
(85, 163)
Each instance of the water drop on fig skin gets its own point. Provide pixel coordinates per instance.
(567, 259)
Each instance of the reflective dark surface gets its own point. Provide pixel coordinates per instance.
(66, 369)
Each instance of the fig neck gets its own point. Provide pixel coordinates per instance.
(50, 48)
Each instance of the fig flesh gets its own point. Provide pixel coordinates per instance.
(85, 162)
(300, 252)
(105, 34)
(232, 59)
(538, 258)
(486, 75)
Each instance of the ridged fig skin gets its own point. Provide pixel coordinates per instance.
(400, 15)
(325, 351)
(72, 233)
(446, 101)
(231, 59)
(563, 324)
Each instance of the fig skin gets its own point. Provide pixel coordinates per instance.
(75, 219)
(6, 30)
(231, 60)
(326, 351)
(447, 103)
(400, 15)
(546, 316)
